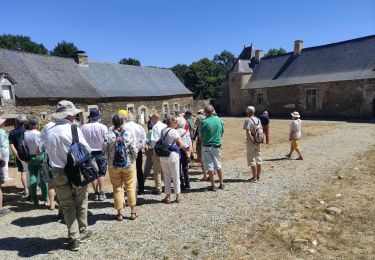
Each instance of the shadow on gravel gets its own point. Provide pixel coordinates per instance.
(91, 220)
(144, 201)
(204, 189)
(34, 221)
(100, 205)
(276, 159)
(31, 246)
(234, 180)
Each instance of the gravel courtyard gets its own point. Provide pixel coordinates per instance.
(198, 226)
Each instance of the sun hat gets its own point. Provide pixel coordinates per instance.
(250, 109)
(65, 108)
(94, 114)
(123, 112)
(2, 121)
(295, 114)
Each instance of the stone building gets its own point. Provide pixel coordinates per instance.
(31, 83)
(333, 80)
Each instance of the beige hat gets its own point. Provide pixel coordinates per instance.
(295, 114)
(65, 108)
(250, 109)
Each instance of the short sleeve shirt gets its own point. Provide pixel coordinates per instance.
(32, 140)
(250, 125)
(172, 135)
(4, 142)
(16, 136)
(296, 127)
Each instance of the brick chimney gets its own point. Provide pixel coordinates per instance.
(298, 46)
(259, 54)
(81, 58)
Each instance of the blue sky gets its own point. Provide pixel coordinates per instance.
(167, 32)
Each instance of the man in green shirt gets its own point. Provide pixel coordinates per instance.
(211, 131)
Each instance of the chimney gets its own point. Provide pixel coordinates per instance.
(81, 58)
(298, 45)
(258, 55)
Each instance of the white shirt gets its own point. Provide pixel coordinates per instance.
(155, 132)
(32, 140)
(58, 142)
(185, 136)
(137, 132)
(296, 127)
(171, 135)
(43, 135)
(94, 135)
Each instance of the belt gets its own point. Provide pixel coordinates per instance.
(213, 146)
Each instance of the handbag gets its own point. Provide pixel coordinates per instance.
(81, 168)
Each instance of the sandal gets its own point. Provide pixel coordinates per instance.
(166, 201)
(288, 156)
(253, 180)
(133, 215)
(211, 188)
(119, 217)
(178, 200)
(300, 158)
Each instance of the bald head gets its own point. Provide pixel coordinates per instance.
(209, 109)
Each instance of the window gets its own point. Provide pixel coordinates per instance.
(165, 108)
(311, 99)
(186, 107)
(130, 108)
(176, 109)
(260, 98)
(7, 92)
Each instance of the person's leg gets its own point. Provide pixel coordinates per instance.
(216, 155)
(157, 169)
(5, 169)
(33, 170)
(1, 197)
(43, 186)
(259, 169)
(185, 170)
(208, 164)
(148, 164)
(298, 150)
(254, 172)
(267, 137)
(167, 178)
(118, 194)
(94, 185)
(51, 196)
(66, 198)
(292, 147)
(129, 179)
(81, 207)
(140, 177)
(174, 169)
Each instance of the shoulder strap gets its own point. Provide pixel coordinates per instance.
(75, 138)
(166, 134)
(254, 121)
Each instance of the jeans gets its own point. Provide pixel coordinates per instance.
(140, 178)
(184, 175)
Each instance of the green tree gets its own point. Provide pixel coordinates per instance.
(21, 43)
(130, 61)
(180, 71)
(225, 59)
(204, 77)
(64, 49)
(273, 52)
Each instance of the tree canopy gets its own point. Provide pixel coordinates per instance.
(273, 52)
(225, 59)
(130, 61)
(64, 49)
(21, 43)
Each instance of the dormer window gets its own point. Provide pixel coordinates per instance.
(7, 92)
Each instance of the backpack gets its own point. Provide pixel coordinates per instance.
(120, 158)
(161, 148)
(81, 169)
(192, 131)
(258, 135)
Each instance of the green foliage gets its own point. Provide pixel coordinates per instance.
(180, 70)
(12, 158)
(273, 52)
(21, 43)
(64, 49)
(130, 61)
(225, 59)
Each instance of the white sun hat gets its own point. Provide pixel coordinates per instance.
(295, 114)
(65, 108)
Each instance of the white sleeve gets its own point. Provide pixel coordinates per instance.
(82, 139)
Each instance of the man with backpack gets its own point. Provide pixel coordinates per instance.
(72, 198)
(18, 147)
(254, 137)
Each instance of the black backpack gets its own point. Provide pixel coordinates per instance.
(81, 169)
(161, 148)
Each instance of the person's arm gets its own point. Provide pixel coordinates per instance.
(180, 143)
(142, 140)
(291, 131)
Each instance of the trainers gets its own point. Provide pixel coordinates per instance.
(97, 196)
(86, 234)
(4, 211)
(25, 194)
(102, 196)
(74, 245)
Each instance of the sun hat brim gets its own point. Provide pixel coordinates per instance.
(295, 115)
(64, 114)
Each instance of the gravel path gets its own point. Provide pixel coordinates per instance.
(195, 228)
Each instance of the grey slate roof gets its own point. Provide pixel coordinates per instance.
(242, 66)
(114, 80)
(347, 60)
(42, 76)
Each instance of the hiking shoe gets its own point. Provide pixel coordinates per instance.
(102, 196)
(222, 186)
(4, 211)
(74, 245)
(288, 156)
(300, 158)
(86, 234)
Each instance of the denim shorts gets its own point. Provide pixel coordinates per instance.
(100, 161)
(211, 158)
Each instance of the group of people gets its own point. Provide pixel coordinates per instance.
(41, 157)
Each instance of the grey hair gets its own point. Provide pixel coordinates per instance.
(169, 119)
(21, 120)
(32, 122)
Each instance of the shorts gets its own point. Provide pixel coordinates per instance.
(20, 166)
(266, 129)
(211, 158)
(253, 154)
(198, 149)
(100, 161)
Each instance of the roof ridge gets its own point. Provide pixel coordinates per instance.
(134, 66)
(36, 54)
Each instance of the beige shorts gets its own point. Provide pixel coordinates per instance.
(253, 154)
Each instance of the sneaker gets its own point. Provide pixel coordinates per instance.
(25, 194)
(4, 211)
(102, 196)
(86, 234)
(97, 196)
(74, 245)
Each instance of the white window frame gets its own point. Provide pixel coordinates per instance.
(165, 105)
(130, 107)
(7, 92)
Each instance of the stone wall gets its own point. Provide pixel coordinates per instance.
(238, 98)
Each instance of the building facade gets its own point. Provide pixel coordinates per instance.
(335, 80)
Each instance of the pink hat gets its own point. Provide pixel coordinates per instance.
(2, 121)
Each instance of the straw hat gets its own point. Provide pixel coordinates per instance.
(295, 114)
(65, 108)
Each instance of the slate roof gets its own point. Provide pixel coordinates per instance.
(114, 80)
(39, 76)
(242, 66)
(347, 60)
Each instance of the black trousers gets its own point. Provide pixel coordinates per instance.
(140, 178)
